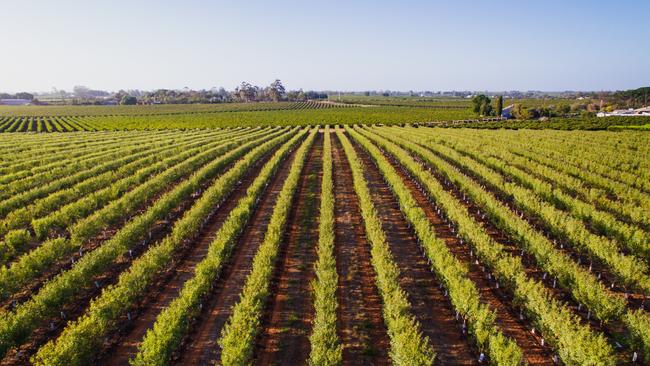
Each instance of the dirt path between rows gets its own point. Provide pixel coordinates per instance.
(64, 264)
(287, 323)
(615, 330)
(507, 317)
(635, 298)
(76, 306)
(126, 341)
(360, 323)
(200, 347)
(430, 306)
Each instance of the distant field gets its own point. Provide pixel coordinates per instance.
(594, 123)
(156, 119)
(431, 102)
(105, 110)
(361, 110)
(645, 127)
(447, 102)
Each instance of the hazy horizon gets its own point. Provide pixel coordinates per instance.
(408, 45)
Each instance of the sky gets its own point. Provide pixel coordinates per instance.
(329, 45)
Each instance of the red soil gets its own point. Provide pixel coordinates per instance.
(360, 323)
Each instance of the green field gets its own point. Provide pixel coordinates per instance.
(65, 119)
(115, 110)
(367, 110)
(449, 102)
(555, 123)
(247, 245)
(639, 127)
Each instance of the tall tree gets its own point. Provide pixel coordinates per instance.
(276, 90)
(499, 108)
(481, 105)
(246, 92)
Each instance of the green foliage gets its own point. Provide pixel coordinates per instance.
(578, 281)
(482, 105)
(631, 127)
(128, 100)
(499, 107)
(77, 343)
(282, 114)
(638, 322)
(17, 238)
(14, 241)
(635, 98)
(17, 324)
(521, 112)
(573, 123)
(325, 344)
(238, 335)
(408, 346)
(588, 188)
(576, 343)
(83, 220)
(462, 291)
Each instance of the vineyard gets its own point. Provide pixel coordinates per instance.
(573, 123)
(102, 118)
(159, 109)
(357, 244)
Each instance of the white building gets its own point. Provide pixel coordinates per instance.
(645, 111)
(507, 112)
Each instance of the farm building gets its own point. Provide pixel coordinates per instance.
(507, 112)
(645, 111)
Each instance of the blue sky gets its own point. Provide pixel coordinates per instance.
(335, 45)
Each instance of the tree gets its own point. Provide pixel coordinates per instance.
(564, 109)
(129, 100)
(246, 92)
(301, 95)
(24, 95)
(520, 112)
(81, 91)
(292, 95)
(587, 114)
(499, 108)
(481, 105)
(276, 90)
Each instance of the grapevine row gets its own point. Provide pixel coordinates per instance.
(629, 269)
(16, 326)
(409, 347)
(30, 265)
(77, 343)
(22, 216)
(462, 291)
(173, 323)
(583, 286)
(325, 343)
(573, 185)
(239, 333)
(633, 238)
(576, 343)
